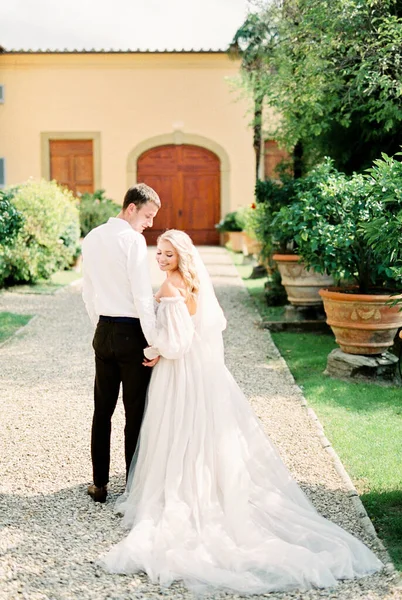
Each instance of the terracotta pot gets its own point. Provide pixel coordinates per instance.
(235, 240)
(250, 245)
(362, 323)
(302, 285)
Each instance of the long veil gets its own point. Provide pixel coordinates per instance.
(209, 318)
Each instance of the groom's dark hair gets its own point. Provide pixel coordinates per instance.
(141, 194)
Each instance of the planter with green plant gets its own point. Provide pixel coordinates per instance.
(302, 284)
(251, 246)
(331, 223)
(270, 196)
(231, 226)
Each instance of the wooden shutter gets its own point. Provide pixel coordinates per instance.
(71, 164)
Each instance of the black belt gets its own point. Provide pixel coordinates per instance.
(118, 319)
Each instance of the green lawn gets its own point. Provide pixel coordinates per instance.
(10, 323)
(362, 421)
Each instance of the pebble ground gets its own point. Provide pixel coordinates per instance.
(51, 533)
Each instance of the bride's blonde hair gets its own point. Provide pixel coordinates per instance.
(184, 247)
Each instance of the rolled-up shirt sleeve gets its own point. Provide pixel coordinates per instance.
(140, 283)
(88, 295)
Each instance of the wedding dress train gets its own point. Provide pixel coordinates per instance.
(209, 501)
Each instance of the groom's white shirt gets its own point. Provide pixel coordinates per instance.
(116, 275)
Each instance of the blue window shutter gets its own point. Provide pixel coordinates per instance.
(2, 172)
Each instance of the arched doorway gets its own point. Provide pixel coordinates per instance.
(187, 178)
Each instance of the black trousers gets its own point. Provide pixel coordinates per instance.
(118, 345)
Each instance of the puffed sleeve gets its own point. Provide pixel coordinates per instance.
(174, 330)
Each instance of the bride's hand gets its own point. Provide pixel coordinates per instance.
(150, 363)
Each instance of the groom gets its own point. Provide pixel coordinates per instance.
(118, 297)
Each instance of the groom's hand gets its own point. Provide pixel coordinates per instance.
(150, 363)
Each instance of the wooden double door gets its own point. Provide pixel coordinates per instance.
(187, 179)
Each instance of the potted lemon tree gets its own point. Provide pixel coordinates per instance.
(332, 223)
(301, 281)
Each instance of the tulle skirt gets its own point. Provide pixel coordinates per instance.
(210, 502)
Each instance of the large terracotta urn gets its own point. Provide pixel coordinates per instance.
(234, 239)
(302, 285)
(362, 323)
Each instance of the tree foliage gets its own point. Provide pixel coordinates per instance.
(333, 70)
(251, 42)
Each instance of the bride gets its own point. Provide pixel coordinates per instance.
(208, 499)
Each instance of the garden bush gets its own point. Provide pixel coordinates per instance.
(384, 233)
(232, 221)
(95, 210)
(11, 221)
(48, 239)
(271, 195)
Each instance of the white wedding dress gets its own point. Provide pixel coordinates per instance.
(209, 501)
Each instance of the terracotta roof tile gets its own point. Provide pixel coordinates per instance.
(111, 51)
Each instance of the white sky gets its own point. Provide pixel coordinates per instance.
(120, 24)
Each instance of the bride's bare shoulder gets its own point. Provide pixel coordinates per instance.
(168, 290)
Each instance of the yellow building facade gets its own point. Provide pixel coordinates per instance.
(96, 116)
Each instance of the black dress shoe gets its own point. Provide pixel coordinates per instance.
(98, 494)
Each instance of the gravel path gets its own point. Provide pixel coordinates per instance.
(51, 532)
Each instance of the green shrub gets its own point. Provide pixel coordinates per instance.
(285, 225)
(49, 237)
(232, 221)
(11, 220)
(348, 226)
(271, 196)
(95, 210)
(275, 193)
(247, 216)
(384, 233)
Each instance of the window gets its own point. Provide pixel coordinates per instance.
(1, 94)
(2, 172)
